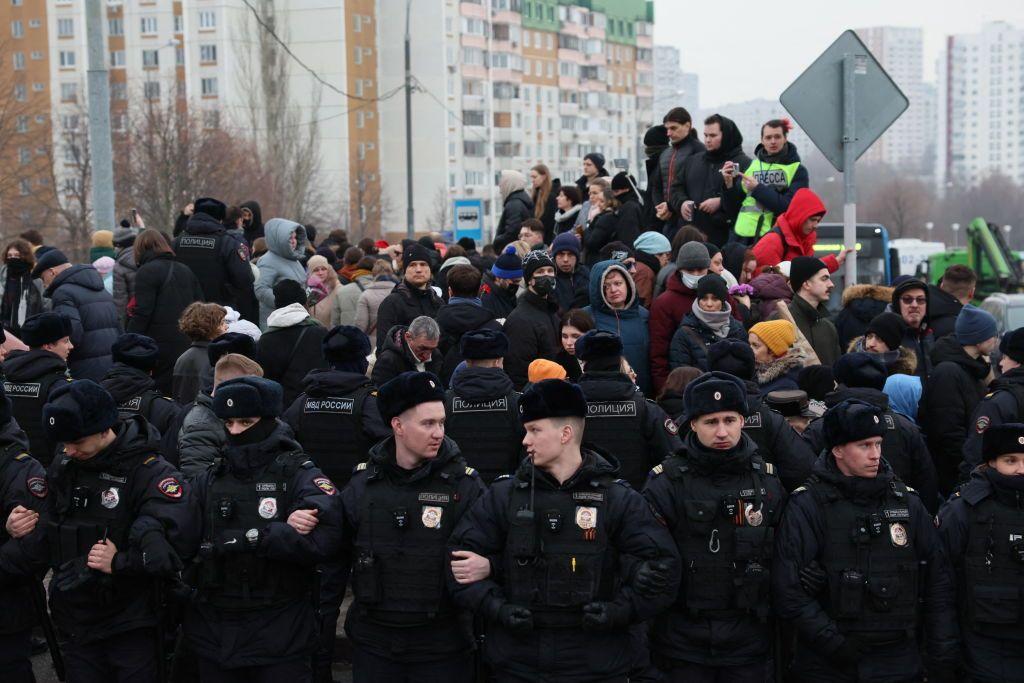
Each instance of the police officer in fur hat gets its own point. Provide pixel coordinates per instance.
(269, 517)
(561, 605)
(120, 519)
(130, 382)
(1003, 403)
(859, 568)
(721, 502)
(982, 527)
(400, 508)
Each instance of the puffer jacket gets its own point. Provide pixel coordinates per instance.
(572, 289)
(369, 303)
(281, 262)
(533, 332)
(290, 348)
(629, 323)
(202, 437)
(79, 294)
(861, 303)
(125, 269)
(517, 208)
(691, 341)
(786, 240)
(769, 290)
(344, 300)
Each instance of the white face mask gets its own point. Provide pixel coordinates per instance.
(691, 280)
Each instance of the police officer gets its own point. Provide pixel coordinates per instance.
(219, 259)
(1004, 402)
(482, 407)
(618, 412)
(130, 382)
(793, 405)
(23, 492)
(400, 507)
(570, 541)
(30, 375)
(862, 376)
(119, 519)
(982, 527)
(777, 442)
(721, 501)
(269, 517)
(879, 572)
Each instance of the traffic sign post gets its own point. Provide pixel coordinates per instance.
(469, 218)
(844, 101)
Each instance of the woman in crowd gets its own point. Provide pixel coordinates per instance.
(710, 320)
(575, 323)
(516, 207)
(603, 222)
(568, 202)
(370, 300)
(345, 302)
(615, 307)
(286, 241)
(545, 191)
(202, 323)
(20, 296)
(671, 397)
(323, 283)
(777, 361)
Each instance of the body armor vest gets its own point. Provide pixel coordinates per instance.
(617, 427)
(201, 253)
(755, 426)
(870, 561)
(487, 431)
(331, 433)
(993, 576)
(244, 580)
(140, 404)
(401, 555)
(558, 558)
(725, 534)
(7, 456)
(27, 401)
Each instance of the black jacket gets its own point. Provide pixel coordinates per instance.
(816, 327)
(533, 332)
(163, 290)
(35, 365)
(572, 289)
(404, 304)
(517, 208)
(78, 293)
(1004, 403)
(455, 320)
(861, 303)
(602, 229)
(287, 354)
(943, 308)
(550, 207)
(227, 276)
(124, 382)
(499, 301)
(328, 382)
(670, 164)
(254, 230)
(394, 358)
(689, 345)
(950, 394)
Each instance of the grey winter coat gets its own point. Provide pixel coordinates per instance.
(369, 303)
(202, 437)
(281, 262)
(124, 281)
(79, 294)
(345, 300)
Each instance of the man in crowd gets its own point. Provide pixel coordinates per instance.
(219, 259)
(683, 144)
(572, 278)
(954, 291)
(1004, 402)
(412, 297)
(910, 301)
(812, 285)
(463, 312)
(500, 285)
(532, 328)
(532, 232)
(407, 349)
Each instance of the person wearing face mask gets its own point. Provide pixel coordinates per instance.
(709, 321)
(616, 308)
(533, 328)
(1003, 403)
(499, 285)
(954, 388)
(981, 529)
(269, 517)
(20, 295)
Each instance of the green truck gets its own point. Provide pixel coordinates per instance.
(998, 268)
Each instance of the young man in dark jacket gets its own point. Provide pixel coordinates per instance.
(683, 144)
(572, 278)
(412, 297)
(812, 286)
(408, 349)
(500, 284)
(910, 299)
(463, 312)
(290, 347)
(532, 328)
(954, 291)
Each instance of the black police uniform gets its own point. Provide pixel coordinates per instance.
(1004, 403)
(903, 446)
(22, 482)
(887, 577)
(482, 417)
(777, 442)
(135, 393)
(219, 259)
(982, 527)
(722, 508)
(130, 495)
(402, 622)
(571, 551)
(622, 422)
(29, 376)
(252, 617)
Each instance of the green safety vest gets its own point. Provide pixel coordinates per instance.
(753, 220)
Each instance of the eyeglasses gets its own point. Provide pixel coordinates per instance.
(919, 300)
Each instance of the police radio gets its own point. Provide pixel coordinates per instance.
(522, 537)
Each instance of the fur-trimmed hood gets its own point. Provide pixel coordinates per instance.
(876, 292)
(771, 371)
(905, 362)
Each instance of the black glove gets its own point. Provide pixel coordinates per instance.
(158, 557)
(651, 578)
(848, 653)
(942, 674)
(73, 574)
(813, 578)
(604, 616)
(515, 618)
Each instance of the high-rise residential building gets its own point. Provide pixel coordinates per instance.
(909, 143)
(507, 84)
(981, 112)
(673, 86)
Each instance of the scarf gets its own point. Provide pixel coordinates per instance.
(716, 321)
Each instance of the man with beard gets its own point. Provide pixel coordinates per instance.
(532, 328)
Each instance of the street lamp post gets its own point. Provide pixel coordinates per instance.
(1007, 229)
(956, 235)
(928, 229)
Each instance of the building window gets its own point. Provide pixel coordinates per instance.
(207, 20)
(150, 58)
(17, 28)
(22, 124)
(18, 60)
(208, 87)
(148, 25)
(15, 3)
(151, 90)
(20, 92)
(67, 59)
(118, 90)
(115, 27)
(24, 187)
(69, 92)
(38, 87)
(179, 23)
(24, 155)
(117, 59)
(34, 23)
(65, 27)
(179, 56)
(37, 55)
(208, 54)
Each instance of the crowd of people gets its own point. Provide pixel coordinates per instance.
(637, 437)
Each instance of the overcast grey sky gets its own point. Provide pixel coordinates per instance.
(747, 49)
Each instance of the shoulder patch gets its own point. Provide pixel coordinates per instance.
(243, 253)
(670, 426)
(470, 472)
(799, 489)
(37, 487)
(622, 482)
(982, 424)
(657, 469)
(769, 468)
(325, 485)
(170, 487)
(360, 467)
(502, 476)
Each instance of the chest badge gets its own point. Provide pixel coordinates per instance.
(553, 518)
(586, 517)
(753, 515)
(268, 508)
(431, 516)
(898, 534)
(110, 498)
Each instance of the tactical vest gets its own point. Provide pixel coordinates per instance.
(617, 427)
(400, 556)
(8, 455)
(870, 560)
(558, 558)
(201, 253)
(725, 535)
(90, 506)
(246, 581)
(753, 219)
(993, 576)
(892, 447)
(140, 404)
(27, 400)
(755, 426)
(330, 430)
(487, 431)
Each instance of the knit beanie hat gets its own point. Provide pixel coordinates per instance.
(712, 283)
(693, 256)
(103, 238)
(508, 266)
(651, 242)
(888, 327)
(1012, 345)
(860, 370)
(974, 325)
(656, 136)
(777, 335)
(542, 369)
(595, 157)
(533, 261)
(316, 261)
(802, 269)
(566, 241)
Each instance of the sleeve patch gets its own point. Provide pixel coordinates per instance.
(37, 487)
(170, 487)
(982, 424)
(769, 468)
(670, 426)
(243, 253)
(470, 472)
(325, 485)
(360, 467)
(657, 469)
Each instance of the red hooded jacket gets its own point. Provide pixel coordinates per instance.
(773, 248)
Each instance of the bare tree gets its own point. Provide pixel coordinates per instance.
(368, 204)
(440, 211)
(900, 204)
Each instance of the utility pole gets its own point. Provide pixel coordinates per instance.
(409, 214)
(100, 149)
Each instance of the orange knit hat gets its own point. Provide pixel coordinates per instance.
(542, 369)
(777, 335)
